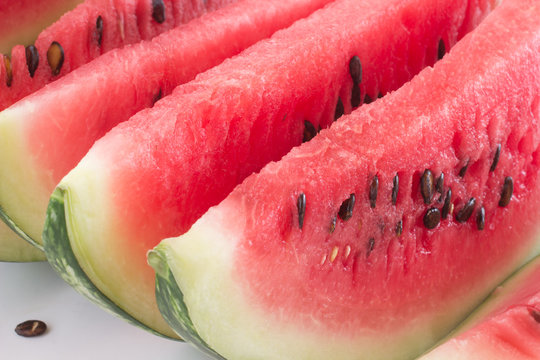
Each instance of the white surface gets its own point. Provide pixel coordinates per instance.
(77, 329)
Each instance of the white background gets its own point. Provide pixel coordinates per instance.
(77, 329)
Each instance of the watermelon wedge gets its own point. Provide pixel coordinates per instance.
(506, 326)
(21, 21)
(376, 237)
(152, 176)
(93, 28)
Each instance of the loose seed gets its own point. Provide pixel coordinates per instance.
(481, 218)
(333, 224)
(55, 57)
(356, 99)
(367, 99)
(463, 170)
(9, 71)
(99, 30)
(370, 245)
(465, 213)
(447, 203)
(355, 69)
(31, 328)
(373, 190)
(309, 131)
(346, 209)
(399, 228)
(32, 59)
(507, 190)
(395, 189)
(340, 110)
(426, 186)
(158, 11)
(440, 184)
(432, 218)
(495, 158)
(441, 51)
(301, 205)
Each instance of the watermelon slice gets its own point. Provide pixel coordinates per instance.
(152, 176)
(93, 28)
(21, 21)
(506, 326)
(355, 245)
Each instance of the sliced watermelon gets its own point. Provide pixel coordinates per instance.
(152, 176)
(354, 245)
(506, 326)
(91, 29)
(21, 21)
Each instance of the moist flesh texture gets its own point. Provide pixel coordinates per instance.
(505, 326)
(158, 172)
(360, 286)
(88, 31)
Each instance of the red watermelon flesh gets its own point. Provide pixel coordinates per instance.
(506, 326)
(21, 21)
(301, 271)
(152, 176)
(90, 30)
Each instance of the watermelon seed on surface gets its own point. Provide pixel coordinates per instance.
(55, 57)
(447, 205)
(334, 254)
(158, 11)
(355, 96)
(395, 189)
(9, 70)
(495, 158)
(370, 246)
(355, 69)
(432, 218)
(346, 209)
(426, 186)
(347, 252)
(480, 218)
(441, 51)
(309, 131)
(466, 211)
(373, 191)
(99, 30)
(463, 170)
(340, 109)
(31, 328)
(440, 184)
(301, 205)
(399, 228)
(507, 190)
(333, 224)
(32, 59)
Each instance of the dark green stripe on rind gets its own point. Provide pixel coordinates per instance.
(170, 300)
(62, 259)
(13, 226)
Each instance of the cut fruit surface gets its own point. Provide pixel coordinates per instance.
(152, 176)
(355, 245)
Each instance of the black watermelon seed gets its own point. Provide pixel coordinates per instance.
(370, 245)
(55, 57)
(535, 315)
(440, 184)
(441, 50)
(426, 186)
(367, 99)
(346, 208)
(356, 96)
(31, 328)
(301, 205)
(432, 218)
(355, 69)
(481, 218)
(333, 224)
(32, 59)
(395, 189)
(9, 71)
(158, 11)
(340, 109)
(507, 190)
(447, 202)
(495, 158)
(309, 131)
(463, 170)
(373, 191)
(399, 228)
(99, 30)
(466, 211)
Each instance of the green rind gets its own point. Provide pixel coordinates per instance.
(170, 300)
(13, 226)
(61, 257)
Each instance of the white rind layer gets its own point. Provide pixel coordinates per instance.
(14, 249)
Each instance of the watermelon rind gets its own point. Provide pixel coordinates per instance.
(63, 260)
(14, 249)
